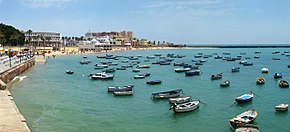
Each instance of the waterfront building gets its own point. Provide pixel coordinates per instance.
(43, 39)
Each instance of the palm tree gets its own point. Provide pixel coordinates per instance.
(2, 39)
(29, 35)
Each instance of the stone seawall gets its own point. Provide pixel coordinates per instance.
(8, 75)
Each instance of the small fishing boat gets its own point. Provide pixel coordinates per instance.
(247, 64)
(120, 88)
(276, 59)
(85, 57)
(278, 75)
(136, 70)
(226, 83)
(143, 66)
(154, 82)
(85, 61)
(247, 128)
(123, 93)
(110, 70)
(186, 107)
(164, 63)
(283, 84)
(167, 94)
(178, 63)
(243, 62)
(193, 72)
(182, 69)
(69, 72)
(217, 76)
(245, 97)
(282, 107)
(180, 99)
(244, 118)
(265, 70)
(102, 75)
(236, 69)
(260, 80)
(139, 76)
(121, 68)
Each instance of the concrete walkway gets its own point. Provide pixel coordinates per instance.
(10, 118)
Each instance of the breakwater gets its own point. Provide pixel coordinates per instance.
(10, 117)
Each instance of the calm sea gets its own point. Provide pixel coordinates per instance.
(52, 100)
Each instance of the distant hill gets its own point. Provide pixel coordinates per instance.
(10, 36)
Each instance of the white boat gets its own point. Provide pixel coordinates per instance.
(136, 70)
(179, 100)
(186, 107)
(247, 128)
(265, 70)
(282, 107)
(101, 75)
(139, 76)
(143, 66)
(123, 93)
(182, 69)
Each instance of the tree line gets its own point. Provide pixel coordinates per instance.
(10, 36)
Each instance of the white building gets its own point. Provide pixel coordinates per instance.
(51, 39)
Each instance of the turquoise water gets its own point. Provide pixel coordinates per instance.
(51, 100)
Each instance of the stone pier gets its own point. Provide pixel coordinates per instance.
(11, 120)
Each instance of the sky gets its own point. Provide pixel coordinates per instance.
(177, 21)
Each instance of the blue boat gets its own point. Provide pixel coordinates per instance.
(245, 97)
(193, 72)
(278, 75)
(154, 82)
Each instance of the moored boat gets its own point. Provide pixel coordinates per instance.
(143, 66)
(123, 93)
(245, 97)
(247, 128)
(139, 76)
(278, 75)
(167, 94)
(186, 107)
(154, 82)
(260, 80)
(69, 72)
(265, 70)
(282, 107)
(120, 88)
(180, 99)
(236, 69)
(85, 61)
(226, 83)
(244, 118)
(136, 70)
(182, 69)
(193, 72)
(217, 76)
(283, 83)
(102, 75)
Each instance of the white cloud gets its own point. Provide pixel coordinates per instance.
(44, 3)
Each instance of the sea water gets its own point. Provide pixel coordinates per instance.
(52, 100)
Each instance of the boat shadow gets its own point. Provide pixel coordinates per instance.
(281, 113)
(246, 104)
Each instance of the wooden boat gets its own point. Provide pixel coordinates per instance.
(186, 107)
(123, 93)
(121, 68)
(154, 82)
(193, 72)
(69, 72)
(265, 70)
(110, 70)
(260, 80)
(245, 97)
(180, 99)
(167, 94)
(244, 118)
(283, 84)
(236, 69)
(120, 88)
(226, 83)
(102, 75)
(282, 107)
(182, 69)
(278, 75)
(164, 63)
(247, 128)
(217, 76)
